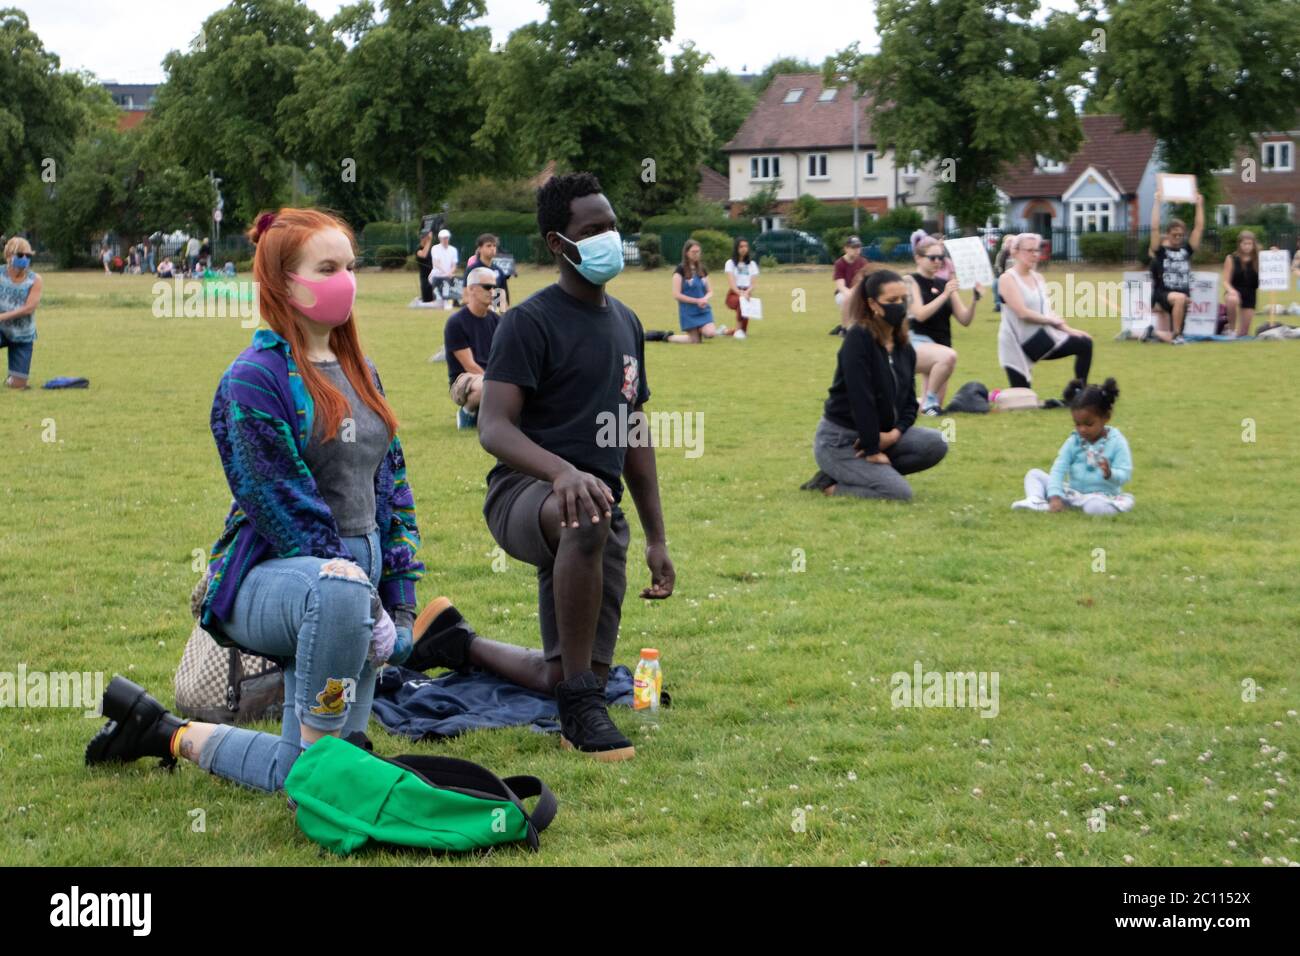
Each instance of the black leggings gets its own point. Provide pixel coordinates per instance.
(1077, 345)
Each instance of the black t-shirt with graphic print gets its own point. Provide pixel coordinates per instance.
(575, 363)
(1171, 269)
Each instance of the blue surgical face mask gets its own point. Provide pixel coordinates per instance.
(602, 256)
(22, 262)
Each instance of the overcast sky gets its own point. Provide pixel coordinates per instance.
(125, 40)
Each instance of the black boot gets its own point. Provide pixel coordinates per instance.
(442, 638)
(585, 725)
(138, 726)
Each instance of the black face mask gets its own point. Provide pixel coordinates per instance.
(895, 313)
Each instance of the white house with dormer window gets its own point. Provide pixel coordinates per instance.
(801, 134)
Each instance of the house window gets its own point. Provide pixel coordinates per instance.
(827, 95)
(869, 164)
(768, 223)
(913, 168)
(793, 96)
(1046, 165)
(1279, 157)
(1226, 170)
(764, 167)
(817, 166)
(1091, 216)
(1225, 215)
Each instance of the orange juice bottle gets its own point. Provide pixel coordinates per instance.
(647, 682)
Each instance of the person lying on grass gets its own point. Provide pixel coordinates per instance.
(316, 565)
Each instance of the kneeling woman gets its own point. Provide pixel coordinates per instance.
(316, 565)
(866, 441)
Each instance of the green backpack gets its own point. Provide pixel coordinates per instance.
(345, 797)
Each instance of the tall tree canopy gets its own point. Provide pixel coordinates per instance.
(587, 87)
(40, 112)
(976, 82)
(1202, 75)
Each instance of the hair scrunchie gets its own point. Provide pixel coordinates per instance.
(264, 222)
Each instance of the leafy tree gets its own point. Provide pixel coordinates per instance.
(399, 102)
(114, 182)
(41, 111)
(761, 202)
(586, 87)
(974, 82)
(727, 102)
(219, 107)
(1202, 76)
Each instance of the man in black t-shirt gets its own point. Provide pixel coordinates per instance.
(565, 379)
(467, 341)
(485, 255)
(1171, 271)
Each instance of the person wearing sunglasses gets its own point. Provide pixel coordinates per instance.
(1030, 331)
(933, 303)
(467, 340)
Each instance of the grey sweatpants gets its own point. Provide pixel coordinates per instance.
(917, 450)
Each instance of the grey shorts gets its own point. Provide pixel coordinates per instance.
(513, 510)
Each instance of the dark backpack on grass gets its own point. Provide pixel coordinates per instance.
(971, 397)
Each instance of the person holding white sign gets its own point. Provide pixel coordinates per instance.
(933, 304)
(1241, 283)
(1030, 331)
(1171, 270)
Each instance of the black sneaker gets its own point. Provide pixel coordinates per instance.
(138, 726)
(837, 330)
(584, 720)
(441, 637)
(818, 482)
(655, 335)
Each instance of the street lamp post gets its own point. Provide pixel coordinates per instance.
(856, 174)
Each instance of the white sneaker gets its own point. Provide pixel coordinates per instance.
(439, 356)
(1029, 504)
(740, 334)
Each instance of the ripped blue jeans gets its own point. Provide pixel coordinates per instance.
(317, 612)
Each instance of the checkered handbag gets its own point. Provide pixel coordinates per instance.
(225, 685)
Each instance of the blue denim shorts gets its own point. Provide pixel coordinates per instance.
(20, 355)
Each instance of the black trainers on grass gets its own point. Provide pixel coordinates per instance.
(818, 482)
(585, 725)
(441, 638)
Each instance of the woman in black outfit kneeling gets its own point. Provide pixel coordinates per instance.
(866, 441)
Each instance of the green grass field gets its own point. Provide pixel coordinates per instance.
(1120, 688)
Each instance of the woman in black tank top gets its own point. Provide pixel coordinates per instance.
(1240, 283)
(933, 303)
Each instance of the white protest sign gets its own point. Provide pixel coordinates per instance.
(1272, 271)
(1177, 187)
(751, 308)
(1135, 303)
(1203, 304)
(970, 261)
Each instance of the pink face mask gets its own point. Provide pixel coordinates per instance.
(335, 297)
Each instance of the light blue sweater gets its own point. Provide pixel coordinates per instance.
(1073, 467)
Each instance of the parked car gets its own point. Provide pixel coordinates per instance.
(791, 245)
(888, 249)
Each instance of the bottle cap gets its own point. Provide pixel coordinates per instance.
(649, 654)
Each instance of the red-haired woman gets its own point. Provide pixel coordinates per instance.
(316, 565)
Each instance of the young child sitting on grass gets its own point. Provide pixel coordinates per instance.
(1092, 466)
